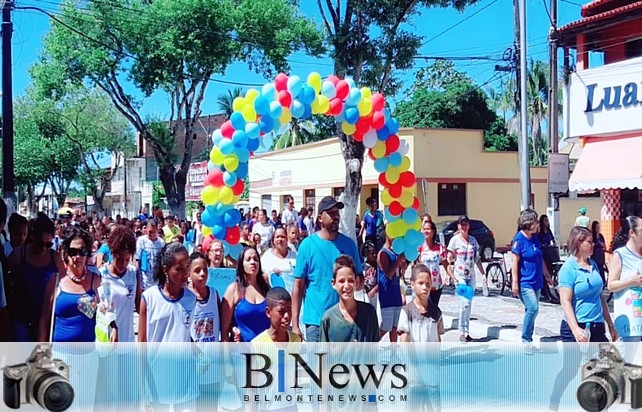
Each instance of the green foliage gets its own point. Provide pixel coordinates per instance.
(158, 193)
(226, 101)
(246, 193)
(318, 128)
(498, 139)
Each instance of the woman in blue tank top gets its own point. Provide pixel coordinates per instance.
(245, 299)
(625, 279)
(74, 299)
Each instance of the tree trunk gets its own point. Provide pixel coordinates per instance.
(99, 196)
(353, 153)
(174, 184)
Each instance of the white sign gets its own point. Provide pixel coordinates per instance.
(557, 173)
(603, 101)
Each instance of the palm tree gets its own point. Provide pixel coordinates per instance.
(297, 132)
(537, 92)
(226, 101)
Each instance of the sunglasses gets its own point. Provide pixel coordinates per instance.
(73, 252)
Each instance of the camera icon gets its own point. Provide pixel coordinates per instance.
(40, 379)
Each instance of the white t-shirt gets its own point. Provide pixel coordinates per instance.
(147, 251)
(123, 300)
(270, 261)
(206, 328)
(420, 327)
(308, 225)
(289, 217)
(198, 228)
(168, 320)
(266, 231)
(466, 256)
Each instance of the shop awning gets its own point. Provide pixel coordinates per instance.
(609, 163)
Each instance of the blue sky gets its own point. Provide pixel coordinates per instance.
(487, 33)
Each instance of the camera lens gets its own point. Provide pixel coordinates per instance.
(53, 392)
(597, 392)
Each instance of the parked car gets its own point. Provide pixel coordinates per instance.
(478, 230)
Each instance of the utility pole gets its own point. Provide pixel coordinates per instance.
(125, 183)
(553, 110)
(8, 181)
(524, 164)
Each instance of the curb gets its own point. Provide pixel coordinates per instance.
(483, 332)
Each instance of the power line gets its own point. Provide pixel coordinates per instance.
(460, 22)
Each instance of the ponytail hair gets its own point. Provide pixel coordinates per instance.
(166, 258)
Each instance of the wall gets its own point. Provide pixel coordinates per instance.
(568, 213)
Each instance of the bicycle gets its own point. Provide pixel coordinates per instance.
(498, 274)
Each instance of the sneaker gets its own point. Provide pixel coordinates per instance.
(485, 288)
(468, 338)
(462, 338)
(528, 348)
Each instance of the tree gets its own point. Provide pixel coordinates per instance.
(369, 42)
(226, 101)
(298, 132)
(174, 46)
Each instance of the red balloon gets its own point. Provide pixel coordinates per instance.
(378, 102)
(343, 88)
(407, 179)
(285, 98)
(333, 79)
(227, 130)
(415, 203)
(363, 124)
(238, 188)
(396, 190)
(378, 120)
(371, 155)
(382, 180)
(392, 144)
(336, 107)
(215, 177)
(395, 208)
(233, 235)
(281, 82)
(358, 136)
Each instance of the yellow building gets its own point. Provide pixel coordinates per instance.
(459, 177)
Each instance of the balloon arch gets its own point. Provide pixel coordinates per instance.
(362, 116)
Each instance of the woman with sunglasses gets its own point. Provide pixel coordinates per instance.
(33, 266)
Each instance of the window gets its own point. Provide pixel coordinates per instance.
(284, 201)
(451, 199)
(337, 192)
(266, 203)
(633, 49)
(310, 198)
(374, 192)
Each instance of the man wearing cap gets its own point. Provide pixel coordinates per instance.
(313, 271)
(582, 220)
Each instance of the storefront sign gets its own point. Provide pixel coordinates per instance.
(195, 181)
(604, 101)
(557, 173)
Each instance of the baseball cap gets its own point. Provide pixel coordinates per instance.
(328, 203)
(582, 211)
(463, 218)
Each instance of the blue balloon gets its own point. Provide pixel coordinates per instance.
(381, 165)
(236, 215)
(267, 123)
(226, 147)
(328, 90)
(413, 237)
(243, 154)
(221, 208)
(210, 165)
(352, 115)
(253, 130)
(386, 114)
(268, 92)
(307, 111)
(307, 95)
(276, 110)
(216, 137)
(354, 97)
(295, 84)
(230, 219)
(389, 216)
(253, 144)
(239, 138)
(399, 245)
(411, 252)
(261, 105)
(393, 125)
(410, 216)
(242, 170)
(229, 178)
(207, 218)
(350, 82)
(342, 116)
(297, 109)
(237, 121)
(383, 134)
(395, 159)
(218, 231)
(465, 291)
(234, 251)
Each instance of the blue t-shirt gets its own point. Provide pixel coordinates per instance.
(104, 249)
(531, 259)
(314, 263)
(587, 290)
(389, 289)
(372, 222)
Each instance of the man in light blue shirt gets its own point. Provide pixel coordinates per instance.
(313, 271)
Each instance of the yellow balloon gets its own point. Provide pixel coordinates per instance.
(398, 228)
(314, 80)
(379, 149)
(231, 163)
(286, 116)
(216, 156)
(225, 195)
(392, 175)
(324, 104)
(416, 225)
(364, 107)
(238, 104)
(251, 95)
(316, 109)
(248, 112)
(348, 128)
(406, 200)
(236, 199)
(207, 231)
(366, 92)
(390, 231)
(410, 190)
(386, 199)
(210, 195)
(405, 164)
